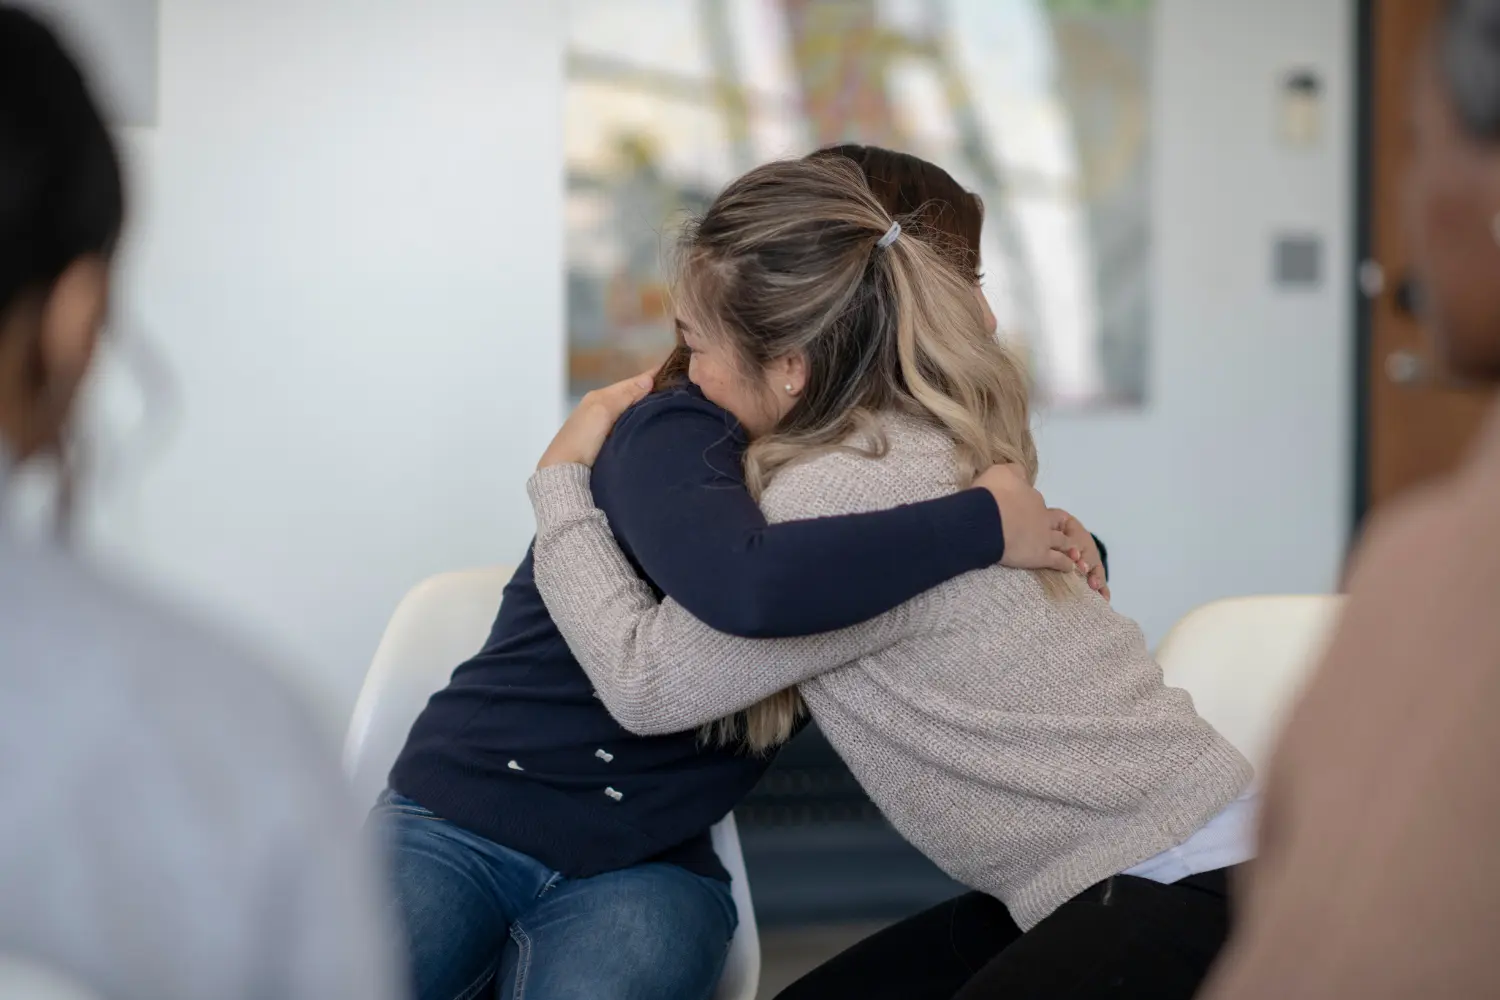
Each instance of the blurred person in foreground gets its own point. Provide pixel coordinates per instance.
(1379, 868)
(173, 826)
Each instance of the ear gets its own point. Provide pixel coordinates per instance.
(789, 374)
(71, 319)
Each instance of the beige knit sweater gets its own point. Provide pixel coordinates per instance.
(1026, 745)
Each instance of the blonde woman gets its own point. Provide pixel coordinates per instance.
(1008, 722)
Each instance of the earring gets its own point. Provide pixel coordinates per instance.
(789, 390)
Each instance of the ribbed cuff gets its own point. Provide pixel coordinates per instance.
(560, 493)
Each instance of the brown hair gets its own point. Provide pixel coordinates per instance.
(788, 261)
(949, 216)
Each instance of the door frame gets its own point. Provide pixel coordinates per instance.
(1363, 215)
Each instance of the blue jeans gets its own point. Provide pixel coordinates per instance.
(484, 920)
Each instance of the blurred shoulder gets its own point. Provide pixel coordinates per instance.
(153, 683)
(1442, 523)
(158, 752)
(1427, 566)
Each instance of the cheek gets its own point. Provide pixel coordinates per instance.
(708, 376)
(721, 388)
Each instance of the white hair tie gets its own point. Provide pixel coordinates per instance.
(890, 236)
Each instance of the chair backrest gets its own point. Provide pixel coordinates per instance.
(1245, 659)
(740, 979)
(437, 626)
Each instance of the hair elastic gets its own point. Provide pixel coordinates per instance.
(889, 237)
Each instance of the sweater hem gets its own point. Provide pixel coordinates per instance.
(1174, 813)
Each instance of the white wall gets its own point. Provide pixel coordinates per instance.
(348, 240)
(1236, 478)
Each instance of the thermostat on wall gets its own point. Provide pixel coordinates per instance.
(1301, 108)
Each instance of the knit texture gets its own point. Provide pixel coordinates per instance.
(1026, 744)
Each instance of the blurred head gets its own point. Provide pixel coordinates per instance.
(949, 217)
(61, 211)
(1453, 187)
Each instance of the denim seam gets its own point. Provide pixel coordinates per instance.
(477, 986)
(523, 964)
(416, 815)
(551, 884)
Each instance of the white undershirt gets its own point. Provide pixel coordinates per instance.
(1227, 839)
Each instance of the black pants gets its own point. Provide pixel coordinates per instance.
(1125, 938)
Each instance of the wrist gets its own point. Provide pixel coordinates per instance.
(985, 525)
(554, 457)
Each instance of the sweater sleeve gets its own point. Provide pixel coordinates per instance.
(656, 667)
(673, 488)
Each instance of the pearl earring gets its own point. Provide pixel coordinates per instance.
(789, 390)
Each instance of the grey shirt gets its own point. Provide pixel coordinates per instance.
(1026, 744)
(171, 825)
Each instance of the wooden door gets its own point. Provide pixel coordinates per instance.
(1417, 422)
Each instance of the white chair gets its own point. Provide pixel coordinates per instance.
(441, 623)
(1244, 661)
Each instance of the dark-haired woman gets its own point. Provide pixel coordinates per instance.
(173, 826)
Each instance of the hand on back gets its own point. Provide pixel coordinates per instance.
(1036, 536)
(581, 436)
(1090, 561)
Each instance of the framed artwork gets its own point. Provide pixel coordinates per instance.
(1042, 107)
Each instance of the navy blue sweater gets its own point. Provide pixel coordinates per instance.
(519, 750)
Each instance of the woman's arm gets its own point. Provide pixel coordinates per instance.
(672, 484)
(656, 667)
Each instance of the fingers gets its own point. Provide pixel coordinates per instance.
(647, 378)
(614, 400)
(632, 389)
(1078, 536)
(1061, 562)
(582, 435)
(1061, 543)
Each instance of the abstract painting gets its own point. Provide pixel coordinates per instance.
(1042, 107)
